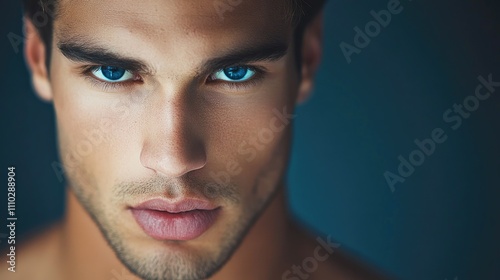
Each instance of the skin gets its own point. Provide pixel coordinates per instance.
(166, 133)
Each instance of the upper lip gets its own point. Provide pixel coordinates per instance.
(184, 205)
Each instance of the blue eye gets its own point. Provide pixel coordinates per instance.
(234, 74)
(112, 74)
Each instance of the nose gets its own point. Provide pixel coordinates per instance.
(173, 145)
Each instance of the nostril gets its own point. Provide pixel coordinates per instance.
(171, 161)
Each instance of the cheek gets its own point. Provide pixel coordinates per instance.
(262, 154)
(250, 149)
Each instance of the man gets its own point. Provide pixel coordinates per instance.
(174, 125)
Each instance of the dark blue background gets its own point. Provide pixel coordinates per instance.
(441, 223)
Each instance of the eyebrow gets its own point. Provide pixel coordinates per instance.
(84, 51)
(270, 51)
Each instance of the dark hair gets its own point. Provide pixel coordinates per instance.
(43, 12)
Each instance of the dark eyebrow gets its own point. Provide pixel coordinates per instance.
(83, 51)
(265, 52)
(86, 52)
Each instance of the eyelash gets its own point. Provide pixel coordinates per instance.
(259, 74)
(107, 86)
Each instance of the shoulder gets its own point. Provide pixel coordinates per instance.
(32, 257)
(321, 257)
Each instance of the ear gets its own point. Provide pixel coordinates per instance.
(312, 48)
(34, 52)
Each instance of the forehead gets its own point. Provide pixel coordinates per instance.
(171, 20)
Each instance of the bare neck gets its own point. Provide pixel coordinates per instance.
(86, 254)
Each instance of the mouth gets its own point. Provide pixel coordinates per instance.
(183, 220)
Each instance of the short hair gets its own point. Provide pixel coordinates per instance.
(43, 12)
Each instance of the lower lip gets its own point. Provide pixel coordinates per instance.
(163, 225)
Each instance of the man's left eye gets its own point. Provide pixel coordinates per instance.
(112, 74)
(234, 74)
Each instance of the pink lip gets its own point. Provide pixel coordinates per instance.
(183, 220)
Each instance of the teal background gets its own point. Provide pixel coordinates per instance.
(441, 223)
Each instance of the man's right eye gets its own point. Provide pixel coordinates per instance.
(112, 74)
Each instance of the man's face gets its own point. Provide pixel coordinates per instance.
(169, 102)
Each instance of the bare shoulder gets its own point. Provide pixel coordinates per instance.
(32, 257)
(321, 257)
